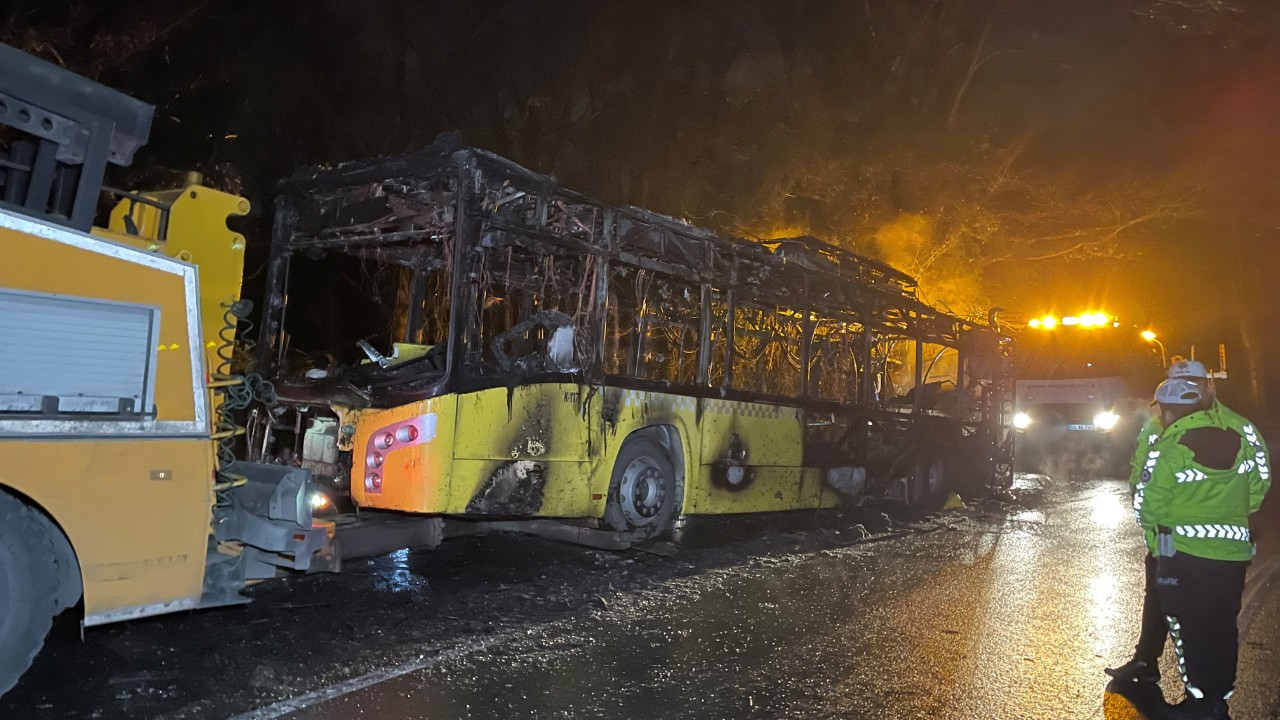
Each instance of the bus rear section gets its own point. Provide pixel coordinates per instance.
(460, 336)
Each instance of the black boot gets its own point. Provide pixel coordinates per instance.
(1203, 709)
(1136, 671)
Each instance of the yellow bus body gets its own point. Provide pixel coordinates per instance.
(484, 445)
(133, 497)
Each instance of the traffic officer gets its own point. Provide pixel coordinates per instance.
(1199, 484)
(1144, 667)
(1226, 417)
(1195, 371)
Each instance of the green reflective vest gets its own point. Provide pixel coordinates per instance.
(1205, 510)
(1226, 417)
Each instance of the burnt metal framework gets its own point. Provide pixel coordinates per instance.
(68, 129)
(654, 303)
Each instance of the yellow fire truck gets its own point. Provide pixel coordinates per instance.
(112, 497)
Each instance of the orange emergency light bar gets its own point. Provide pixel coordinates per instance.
(1089, 320)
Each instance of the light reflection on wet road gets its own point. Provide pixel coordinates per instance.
(397, 576)
(1010, 617)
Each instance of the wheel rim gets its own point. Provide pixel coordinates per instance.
(642, 492)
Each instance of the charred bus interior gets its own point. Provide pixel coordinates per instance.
(454, 270)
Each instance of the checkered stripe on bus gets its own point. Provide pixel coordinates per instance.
(665, 402)
(659, 401)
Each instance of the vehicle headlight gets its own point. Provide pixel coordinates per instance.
(1021, 421)
(319, 501)
(1105, 420)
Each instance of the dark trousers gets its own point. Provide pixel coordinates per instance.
(1155, 627)
(1202, 600)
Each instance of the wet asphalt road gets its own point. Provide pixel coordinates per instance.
(997, 612)
(1008, 618)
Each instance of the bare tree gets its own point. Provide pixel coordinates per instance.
(92, 40)
(1230, 18)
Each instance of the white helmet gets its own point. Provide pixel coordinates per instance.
(1188, 369)
(1179, 391)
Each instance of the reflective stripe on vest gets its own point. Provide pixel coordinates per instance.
(1220, 532)
(1259, 456)
(1139, 491)
(1191, 475)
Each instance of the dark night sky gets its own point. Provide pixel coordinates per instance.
(829, 117)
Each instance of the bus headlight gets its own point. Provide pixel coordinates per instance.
(1021, 421)
(1105, 420)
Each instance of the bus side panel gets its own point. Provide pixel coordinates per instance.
(136, 512)
(524, 452)
(521, 488)
(416, 474)
(771, 437)
(763, 489)
(540, 457)
(542, 423)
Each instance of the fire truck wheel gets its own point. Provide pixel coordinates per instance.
(929, 482)
(28, 587)
(642, 492)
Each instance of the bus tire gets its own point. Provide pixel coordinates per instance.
(930, 481)
(642, 496)
(28, 587)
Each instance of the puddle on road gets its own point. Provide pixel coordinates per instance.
(392, 574)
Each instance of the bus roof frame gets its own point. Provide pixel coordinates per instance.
(804, 273)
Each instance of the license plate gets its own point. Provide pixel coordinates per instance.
(1079, 426)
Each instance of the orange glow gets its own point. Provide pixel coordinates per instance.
(1084, 320)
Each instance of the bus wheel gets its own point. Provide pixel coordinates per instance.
(28, 587)
(929, 482)
(642, 491)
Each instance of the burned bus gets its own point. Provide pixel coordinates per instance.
(459, 336)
